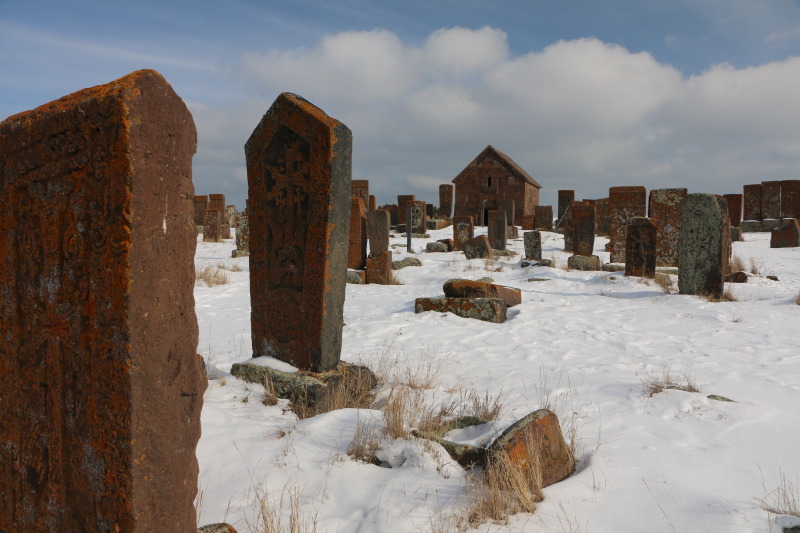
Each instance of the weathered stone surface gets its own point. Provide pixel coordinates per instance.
(403, 202)
(602, 216)
(497, 229)
(463, 229)
(378, 230)
(533, 245)
(467, 288)
(360, 189)
(434, 247)
(372, 203)
(787, 235)
(298, 172)
(734, 208)
(666, 215)
(436, 224)
(736, 234)
(477, 247)
(736, 277)
(705, 247)
(217, 201)
(528, 222)
(200, 207)
(406, 262)
(418, 217)
(565, 197)
(393, 213)
(217, 528)
(512, 232)
(486, 309)
(357, 249)
(212, 226)
(543, 218)
(242, 237)
(790, 199)
(769, 224)
(770, 199)
(446, 200)
(464, 454)
(640, 249)
(584, 262)
(582, 226)
(356, 277)
(624, 204)
(539, 433)
(750, 226)
(448, 243)
(566, 230)
(751, 202)
(230, 212)
(379, 268)
(613, 267)
(100, 385)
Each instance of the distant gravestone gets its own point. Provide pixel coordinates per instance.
(463, 229)
(640, 248)
(100, 384)
(543, 217)
(624, 204)
(242, 237)
(582, 224)
(666, 215)
(564, 198)
(298, 173)
(602, 216)
(508, 207)
(446, 200)
(770, 200)
(751, 202)
(734, 208)
(372, 203)
(403, 201)
(786, 235)
(212, 226)
(790, 199)
(566, 226)
(357, 250)
(200, 206)
(379, 268)
(360, 189)
(217, 201)
(378, 231)
(528, 222)
(477, 248)
(418, 217)
(705, 246)
(497, 229)
(533, 245)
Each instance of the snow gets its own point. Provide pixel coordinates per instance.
(581, 342)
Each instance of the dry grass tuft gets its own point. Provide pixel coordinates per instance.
(664, 281)
(211, 276)
(393, 279)
(658, 381)
(728, 296)
(737, 264)
(366, 441)
(270, 398)
(756, 266)
(783, 500)
(269, 513)
(354, 391)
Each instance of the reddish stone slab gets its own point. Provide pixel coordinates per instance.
(463, 229)
(624, 204)
(582, 226)
(467, 288)
(217, 201)
(564, 199)
(100, 385)
(497, 229)
(477, 248)
(790, 199)
(298, 173)
(200, 206)
(378, 231)
(486, 309)
(736, 277)
(770, 199)
(666, 215)
(357, 250)
(379, 268)
(734, 208)
(786, 235)
(360, 189)
(446, 200)
(212, 226)
(704, 249)
(528, 222)
(640, 248)
(566, 227)
(751, 202)
(602, 216)
(418, 217)
(543, 217)
(372, 203)
(393, 213)
(403, 202)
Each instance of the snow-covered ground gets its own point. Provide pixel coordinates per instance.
(582, 341)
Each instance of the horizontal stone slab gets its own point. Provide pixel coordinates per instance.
(467, 288)
(486, 309)
(408, 261)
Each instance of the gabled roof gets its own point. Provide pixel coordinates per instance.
(510, 164)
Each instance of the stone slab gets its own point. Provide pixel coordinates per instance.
(751, 202)
(770, 199)
(357, 240)
(463, 229)
(486, 309)
(705, 247)
(378, 230)
(786, 235)
(466, 288)
(624, 204)
(477, 248)
(446, 199)
(640, 249)
(379, 268)
(497, 229)
(533, 245)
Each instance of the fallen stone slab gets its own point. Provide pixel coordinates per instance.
(467, 288)
(433, 247)
(486, 309)
(477, 247)
(449, 243)
(539, 262)
(406, 262)
(613, 267)
(464, 454)
(584, 262)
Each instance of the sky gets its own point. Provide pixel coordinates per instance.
(584, 94)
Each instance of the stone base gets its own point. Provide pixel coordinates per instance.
(379, 268)
(614, 267)
(750, 226)
(466, 288)
(584, 262)
(486, 309)
(240, 253)
(769, 224)
(436, 224)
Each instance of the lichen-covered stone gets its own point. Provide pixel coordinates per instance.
(467, 288)
(200, 206)
(751, 226)
(418, 223)
(584, 262)
(463, 230)
(705, 245)
(355, 277)
(433, 247)
(378, 230)
(448, 243)
(582, 225)
(477, 248)
(543, 218)
(242, 237)
(216, 528)
(666, 214)
(486, 309)
(406, 262)
(212, 226)
(533, 245)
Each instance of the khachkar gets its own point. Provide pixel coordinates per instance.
(704, 248)
(102, 388)
(298, 174)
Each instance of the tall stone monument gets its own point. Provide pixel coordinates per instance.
(664, 208)
(640, 248)
(624, 204)
(298, 171)
(100, 385)
(446, 200)
(704, 250)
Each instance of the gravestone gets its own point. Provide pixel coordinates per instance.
(357, 250)
(393, 214)
(212, 226)
(734, 208)
(298, 174)
(418, 220)
(566, 227)
(463, 229)
(242, 237)
(751, 202)
(446, 200)
(230, 211)
(378, 231)
(379, 268)
(602, 216)
(403, 201)
(786, 235)
(430, 211)
(360, 189)
(528, 222)
(200, 206)
(582, 225)
(477, 248)
(533, 245)
(624, 204)
(100, 384)
(704, 248)
(770, 200)
(564, 198)
(372, 203)
(666, 215)
(790, 199)
(543, 217)
(497, 229)
(217, 201)
(508, 206)
(640, 248)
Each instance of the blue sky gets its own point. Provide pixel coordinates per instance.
(584, 95)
